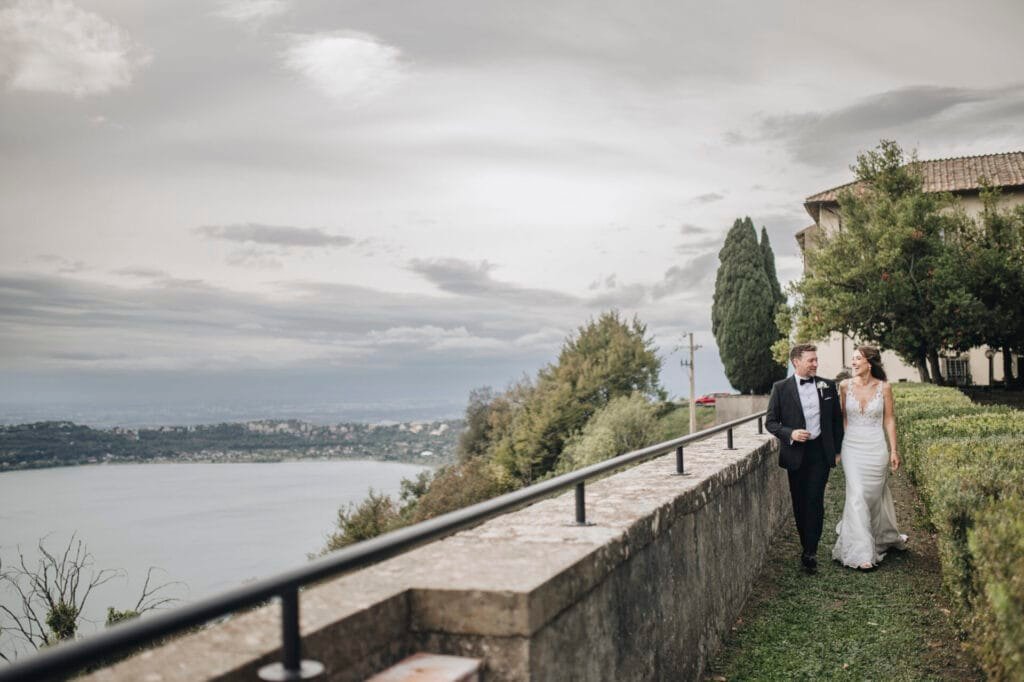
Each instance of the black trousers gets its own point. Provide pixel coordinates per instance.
(807, 488)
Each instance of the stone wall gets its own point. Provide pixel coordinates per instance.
(645, 592)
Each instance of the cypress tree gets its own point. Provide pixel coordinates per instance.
(743, 311)
(769, 267)
(780, 305)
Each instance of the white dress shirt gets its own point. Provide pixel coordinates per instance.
(809, 401)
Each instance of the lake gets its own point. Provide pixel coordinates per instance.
(209, 526)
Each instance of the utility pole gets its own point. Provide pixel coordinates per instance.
(689, 363)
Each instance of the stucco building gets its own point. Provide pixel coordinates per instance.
(961, 177)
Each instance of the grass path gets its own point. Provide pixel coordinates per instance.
(889, 624)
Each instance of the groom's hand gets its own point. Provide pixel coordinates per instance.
(800, 435)
(838, 457)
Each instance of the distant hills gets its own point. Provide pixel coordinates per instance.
(64, 443)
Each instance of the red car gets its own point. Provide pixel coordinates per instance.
(709, 399)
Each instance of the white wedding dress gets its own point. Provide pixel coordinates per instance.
(868, 527)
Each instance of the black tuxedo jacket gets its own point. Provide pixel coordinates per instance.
(785, 413)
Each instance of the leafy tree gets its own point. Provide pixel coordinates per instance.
(891, 275)
(458, 486)
(743, 312)
(473, 440)
(605, 358)
(375, 515)
(992, 262)
(626, 423)
(784, 322)
(489, 416)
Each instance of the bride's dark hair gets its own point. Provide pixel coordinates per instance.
(874, 358)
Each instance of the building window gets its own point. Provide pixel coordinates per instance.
(957, 371)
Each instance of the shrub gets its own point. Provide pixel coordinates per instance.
(965, 477)
(968, 463)
(997, 543)
(624, 424)
(375, 515)
(458, 486)
(919, 424)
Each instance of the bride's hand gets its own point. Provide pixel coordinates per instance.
(894, 461)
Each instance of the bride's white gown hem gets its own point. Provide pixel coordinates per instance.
(867, 529)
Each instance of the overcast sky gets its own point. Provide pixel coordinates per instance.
(393, 202)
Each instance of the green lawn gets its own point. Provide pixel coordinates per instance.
(889, 624)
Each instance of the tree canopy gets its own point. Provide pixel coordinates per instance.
(605, 358)
(893, 273)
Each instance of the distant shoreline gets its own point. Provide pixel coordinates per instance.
(61, 443)
(429, 463)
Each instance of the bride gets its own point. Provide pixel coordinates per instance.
(868, 527)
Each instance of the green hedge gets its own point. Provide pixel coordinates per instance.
(998, 545)
(968, 464)
(920, 423)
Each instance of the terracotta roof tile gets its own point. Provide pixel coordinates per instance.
(955, 175)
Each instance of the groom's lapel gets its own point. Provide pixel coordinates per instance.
(825, 422)
(794, 396)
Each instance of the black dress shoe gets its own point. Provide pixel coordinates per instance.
(810, 562)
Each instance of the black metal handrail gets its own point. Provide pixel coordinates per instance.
(120, 639)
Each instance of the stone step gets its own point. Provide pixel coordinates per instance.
(425, 667)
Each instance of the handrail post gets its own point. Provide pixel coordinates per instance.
(760, 425)
(291, 667)
(679, 459)
(581, 509)
(728, 440)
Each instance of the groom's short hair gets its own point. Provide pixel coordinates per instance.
(799, 349)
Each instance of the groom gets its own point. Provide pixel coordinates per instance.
(804, 414)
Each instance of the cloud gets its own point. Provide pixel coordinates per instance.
(347, 67)
(434, 338)
(687, 229)
(832, 138)
(63, 265)
(254, 258)
(468, 279)
(276, 235)
(141, 273)
(252, 12)
(176, 322)
(686, 278)
(86, 356)
(707, 198)
(54, 46)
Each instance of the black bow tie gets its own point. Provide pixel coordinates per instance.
(807, 381)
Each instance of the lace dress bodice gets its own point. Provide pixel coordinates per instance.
(868, 415)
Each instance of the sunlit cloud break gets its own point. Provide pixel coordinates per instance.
(252, 12)
(54, 46)
(350, 68)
